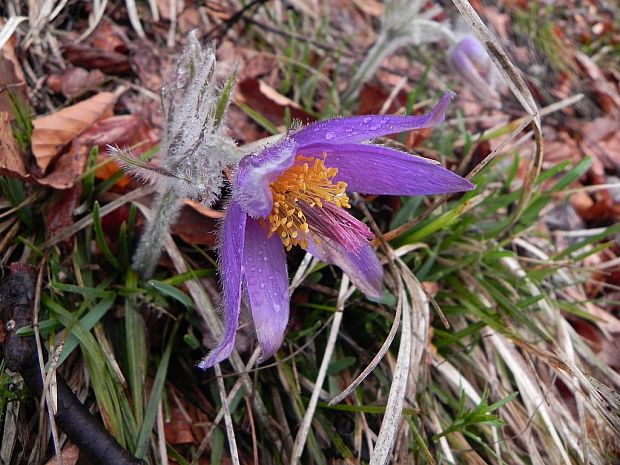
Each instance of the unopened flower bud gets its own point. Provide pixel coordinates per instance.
(474, 65)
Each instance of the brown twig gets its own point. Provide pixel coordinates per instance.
(20, 354)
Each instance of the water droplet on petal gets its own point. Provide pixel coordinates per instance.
(330, 135)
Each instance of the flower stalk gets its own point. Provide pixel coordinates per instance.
(403, 23)
(165, 212)
(195, 150)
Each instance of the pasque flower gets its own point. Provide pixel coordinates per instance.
(474, 64)
(294, 193)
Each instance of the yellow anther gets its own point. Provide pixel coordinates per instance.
(308, 183)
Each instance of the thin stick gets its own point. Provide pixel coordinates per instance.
(394, 407)
(304, 428)
(374, 362)
(230, 430)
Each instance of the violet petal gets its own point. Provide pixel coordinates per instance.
(360, 128)
(257, 171)
(374, 169)
(362, 266)
(231, 259)
(267, 284)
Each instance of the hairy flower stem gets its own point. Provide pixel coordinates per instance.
(165, 211)
(377, 53)
(417, 30)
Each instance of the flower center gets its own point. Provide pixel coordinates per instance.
(308, 183)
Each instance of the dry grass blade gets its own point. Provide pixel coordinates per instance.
(393, 410)
(534, 400)
(233, 392)
(9, 28)
(134, 18)
(230, 430)
(374, 362)
(47, 397)
(94, 19)
(9, 435)
(303, 270)
(518, 87)
(161, 435)
(304, 428)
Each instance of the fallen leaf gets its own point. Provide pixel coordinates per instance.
(59, 213)
(105, 49)
(74, 82)
(607, 97)
(11, 158)
(430, 287)
(276, 96)
(195, 228)
(109, 36)
(206, 211)
(150, 66)
(269, 102)
(189, 19)
(11, 75)
(123, 131)
(94, 58)
(53, 132)
(561, 147)
(67, 168)
(500, 21)
(370, 7)
(178, 430)
(69, 454)
(373, 97)
(605, 320)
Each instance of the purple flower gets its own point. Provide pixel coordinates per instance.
(294, 193)
(474, 64)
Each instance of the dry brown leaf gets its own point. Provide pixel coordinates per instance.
(206, 211)
(131, 131)
(70, 454)
(370, 7)
(59, 213)
(271, 104)
(196, 228)
(51, 133)
(105, 49)
(75, 81)
(276, 96)
(67, 168)
(150, 64)
(11, 75)
(11, 160)
(190, 18)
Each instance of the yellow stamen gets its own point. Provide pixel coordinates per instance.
(309, 182)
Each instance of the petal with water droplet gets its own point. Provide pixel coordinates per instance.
(231, 269)
(267, 286)
(373, 169)
(362, 128)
